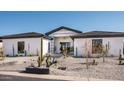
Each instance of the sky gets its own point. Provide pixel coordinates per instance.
(14, 22)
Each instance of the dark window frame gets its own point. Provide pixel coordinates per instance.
(21, 47)
(97, 46)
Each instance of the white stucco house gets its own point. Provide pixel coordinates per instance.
(25, 44)
(94, 40)
(61, 37)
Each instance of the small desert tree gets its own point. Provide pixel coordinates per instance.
(87, 52)
(1, 54)
(87, 48)
(120, 57)
(64, 52)
(48, 61)
(103, 53)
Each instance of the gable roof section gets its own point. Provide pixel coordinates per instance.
(97, 34)
(62, 27)
(25, 35)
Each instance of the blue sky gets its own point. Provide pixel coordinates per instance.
(17, 22)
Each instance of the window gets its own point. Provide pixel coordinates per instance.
(64, 45)
(49, 47)
(97, 46)
(21, 47)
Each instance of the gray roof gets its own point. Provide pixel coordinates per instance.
(63, 27)
(25, 35)
(96, 34)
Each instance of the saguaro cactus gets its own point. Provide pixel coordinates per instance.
(40, 59)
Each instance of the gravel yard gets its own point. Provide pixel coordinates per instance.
(17, 63)
(109, 70)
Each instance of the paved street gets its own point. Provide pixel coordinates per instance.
(20, 78)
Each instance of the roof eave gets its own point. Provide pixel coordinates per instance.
(97, 36)
(62, 27)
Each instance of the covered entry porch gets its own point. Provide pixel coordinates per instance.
(59, 43)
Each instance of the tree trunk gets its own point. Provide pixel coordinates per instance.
(87, 55)
(103, 58)
(87, 65)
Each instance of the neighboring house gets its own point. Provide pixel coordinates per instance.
(95, 41)
(25, 44)
(62, 38)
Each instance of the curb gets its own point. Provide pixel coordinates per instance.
(54, 77)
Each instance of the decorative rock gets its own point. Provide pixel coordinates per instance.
(62, 68)
(37, 70)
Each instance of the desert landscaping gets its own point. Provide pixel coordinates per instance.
(74, 67)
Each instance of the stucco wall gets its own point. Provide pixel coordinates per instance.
(32, 46)
(116, 43)
(45, 46)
